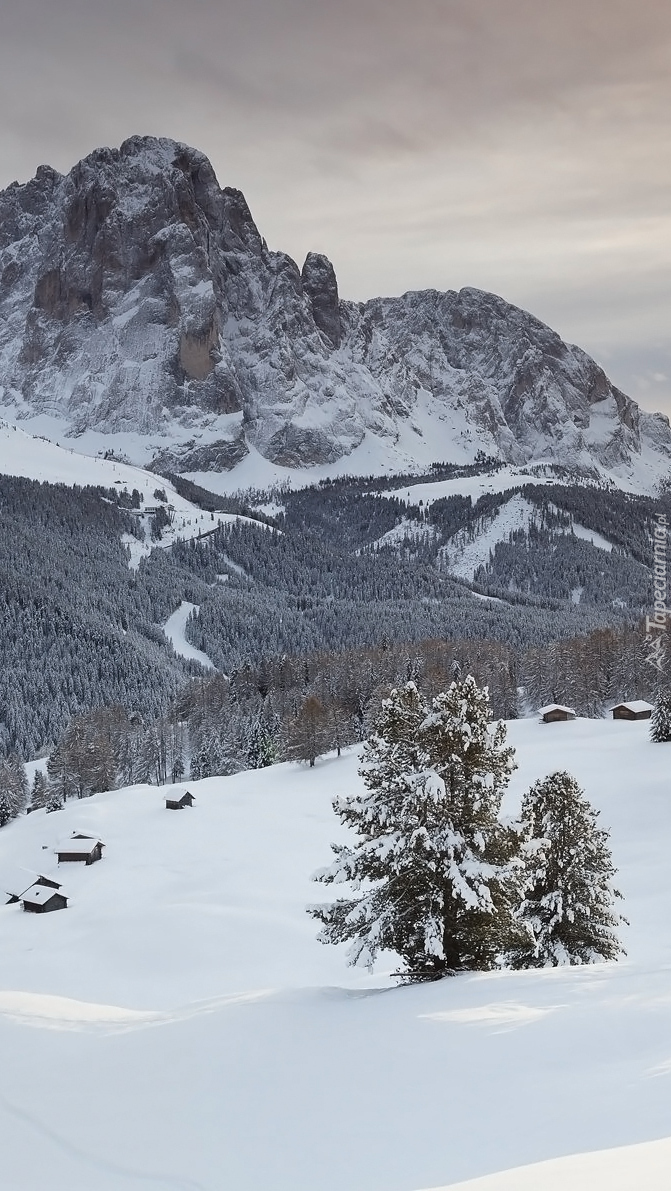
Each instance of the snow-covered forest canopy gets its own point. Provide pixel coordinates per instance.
(334, 593)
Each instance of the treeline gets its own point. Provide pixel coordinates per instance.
(295, 707)
(294, 592)
(81, 630)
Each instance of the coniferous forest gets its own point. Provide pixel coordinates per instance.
(309, 616)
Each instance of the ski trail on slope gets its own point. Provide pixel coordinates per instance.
(175, 630)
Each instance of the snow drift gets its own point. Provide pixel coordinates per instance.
(178, 1026)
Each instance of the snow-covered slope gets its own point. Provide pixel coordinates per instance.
(174, 629)
(40, 459)
(139, 301)
(470, 549)
(179, 1027)
(625, 1168)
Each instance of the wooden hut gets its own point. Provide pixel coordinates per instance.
(42, 899)
(84, 849)
(178, 804)
(554, 712)
(635, 709)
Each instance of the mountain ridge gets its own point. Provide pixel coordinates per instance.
(138, 296)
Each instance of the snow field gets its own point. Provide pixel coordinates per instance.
(22, 454)
(180, 1027)
(433, 434)
(641, 1166)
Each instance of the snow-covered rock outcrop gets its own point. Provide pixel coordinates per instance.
(137, 295)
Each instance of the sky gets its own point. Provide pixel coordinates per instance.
(520, 146)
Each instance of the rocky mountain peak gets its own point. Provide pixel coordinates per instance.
(136, 294)
(320, 285)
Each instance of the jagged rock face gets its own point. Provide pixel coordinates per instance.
(137, 295)
(320, 286)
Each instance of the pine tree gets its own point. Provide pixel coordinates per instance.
(6, 803)
(263, 747)
(45, 794)
(62, 777)
(660, 721)
(567, 908)
(210, 758)
(436, 864)
(13, 789)
(470, 755)
(39, 795)
(54, 800)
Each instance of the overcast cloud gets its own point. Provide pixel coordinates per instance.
(522, 146)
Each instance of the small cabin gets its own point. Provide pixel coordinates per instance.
(177, 804)
(635, 709)
(554, 712)
(85, 849)
(42, 899)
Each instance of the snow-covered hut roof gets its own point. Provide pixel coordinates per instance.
(556, 707)
(80, 843)
(39, 895)
(635, 705)
(48, 879)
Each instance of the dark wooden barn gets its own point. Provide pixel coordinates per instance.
(84, 849)
(635, 709)
(554, 712)
(42, 899)
(178, 804)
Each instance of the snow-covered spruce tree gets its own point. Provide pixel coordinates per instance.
(39, 795)
(432, 869)
(13, 789)
(660, 720)
(45, 795)
(567, 913)
(263, 747)
(210, 759)
(470, 755)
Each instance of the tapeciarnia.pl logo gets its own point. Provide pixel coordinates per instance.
(655, 625)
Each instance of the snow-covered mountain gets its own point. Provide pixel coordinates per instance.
(179, 1026)
(138, 300)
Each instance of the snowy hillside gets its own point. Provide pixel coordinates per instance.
(179, 1027)
(36, 458)
(469, 550)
